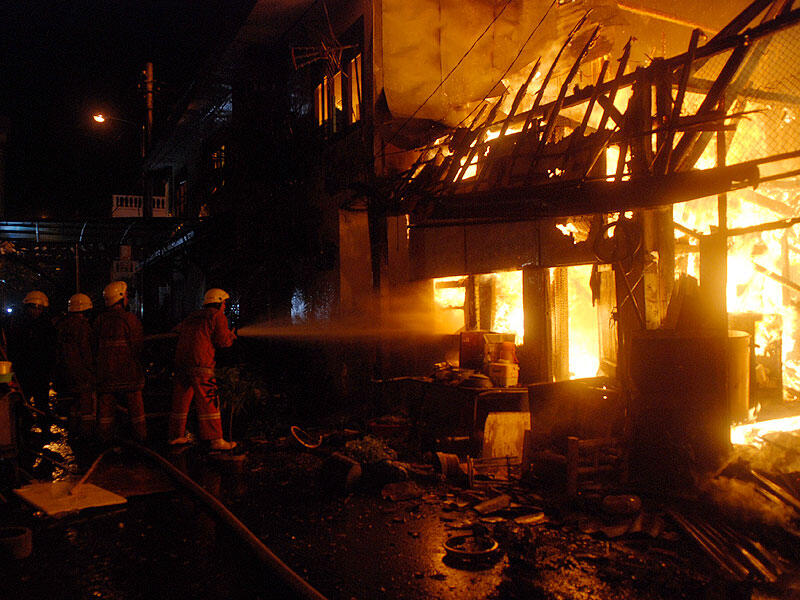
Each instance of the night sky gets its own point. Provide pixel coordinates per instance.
(62, 60)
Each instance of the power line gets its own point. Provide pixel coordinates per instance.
(522, 48)
(510, 66)
(446, 77)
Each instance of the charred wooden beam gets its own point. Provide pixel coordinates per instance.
(728, 565)
(613, 86)
(518, 98)
(771, 226)
(589, 197)
(592, 101)
(778, 490)
(767, 557)
(732, 546)
(454, 174)
(687, 230)
(664, 152)
(556, 105)
(688, 150)
(639, 119)
(706, 51)
(611, 111)
(741, 20)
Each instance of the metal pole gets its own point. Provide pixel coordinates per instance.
(149, 87)
(77, 270)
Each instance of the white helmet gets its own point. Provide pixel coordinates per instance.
(114, 292)
(79, 303)
(215, 295)
(36, 297)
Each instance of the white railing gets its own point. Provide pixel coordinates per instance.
(130, 205)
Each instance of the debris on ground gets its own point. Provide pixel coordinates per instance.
(493, 505)
(404, 490)
(369, 450)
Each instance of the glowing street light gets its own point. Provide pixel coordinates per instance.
(146, 132)
(101, 118)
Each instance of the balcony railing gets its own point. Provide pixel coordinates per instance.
(129, 205)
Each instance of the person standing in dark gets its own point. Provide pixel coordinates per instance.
(118, 339)
(30, 345)
(75, 362)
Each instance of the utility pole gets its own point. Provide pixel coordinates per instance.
(4, 127)
(147, 138)
(77, 268)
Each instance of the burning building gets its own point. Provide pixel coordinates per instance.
(654, 201)
(611, 183)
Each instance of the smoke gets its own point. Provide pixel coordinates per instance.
(778, 453)
(742, 501)
(397, 325)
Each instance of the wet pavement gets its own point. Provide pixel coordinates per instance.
(371, 541)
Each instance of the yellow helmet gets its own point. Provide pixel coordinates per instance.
(114, 292)
(79, 303)
(36, 297)
(215, 295)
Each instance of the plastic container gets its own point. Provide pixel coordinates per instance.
(504, 373)
(508, 351)
(5, 367)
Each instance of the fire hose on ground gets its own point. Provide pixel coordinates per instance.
(292, 580)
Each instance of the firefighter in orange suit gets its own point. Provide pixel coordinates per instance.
(75, 361)
(118, 341)
(199, 336)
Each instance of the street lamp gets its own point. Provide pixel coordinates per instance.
(101, 118)
(148, 86)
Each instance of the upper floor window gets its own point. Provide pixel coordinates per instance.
(354, 83)
(218, 157)
(337, 99)
(321, 102)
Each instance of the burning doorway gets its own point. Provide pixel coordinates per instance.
(494, 302)
(574, 323)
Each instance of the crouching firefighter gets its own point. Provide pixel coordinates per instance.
(75, 361)
(118, 340)
(199, 336)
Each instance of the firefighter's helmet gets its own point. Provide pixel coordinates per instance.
(215, 295)
(79, 303)
(114, 292)
(37, 298)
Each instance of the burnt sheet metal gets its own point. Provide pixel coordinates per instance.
(450, 250)
(456, 250)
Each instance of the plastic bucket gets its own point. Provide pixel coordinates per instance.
(504, 373)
